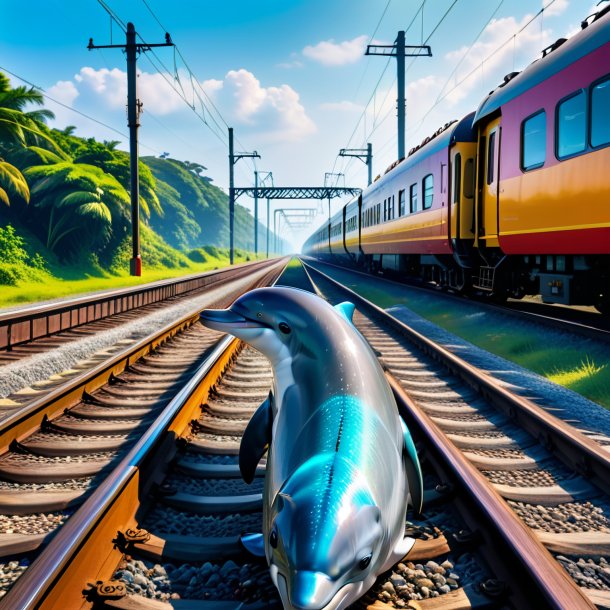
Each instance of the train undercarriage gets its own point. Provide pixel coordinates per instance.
(563, 279)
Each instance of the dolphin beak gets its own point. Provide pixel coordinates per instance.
(225, 320)
(310, 590)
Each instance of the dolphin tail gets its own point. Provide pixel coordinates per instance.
(414, 474)
(256, 439)
(346, 310)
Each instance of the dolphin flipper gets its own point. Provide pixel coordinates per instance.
(414, 474)
(254, 544)
(346, 310)
(256, 439)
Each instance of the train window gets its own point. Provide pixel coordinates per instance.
(413, 198)
(469, 178)
(491, 149)
(401, 202)
(600, 122)
(378, 213)
(428, 191)
(572, 125)
(386, 215)
(393, 208)
(533, 141)
(457, 177)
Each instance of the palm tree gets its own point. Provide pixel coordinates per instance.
(80, 203)
(16, 125)
(12, 181)
(18, 128)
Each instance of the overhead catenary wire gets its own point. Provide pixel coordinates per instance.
(208, 107)
(485, 60)
(67, 107)
(376, 122)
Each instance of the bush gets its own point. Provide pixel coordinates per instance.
(12, 275)
(9, 274)
(38, 262)
(11, 246)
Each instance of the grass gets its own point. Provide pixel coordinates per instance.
(579, 364)
(76, 280)
(294, 275)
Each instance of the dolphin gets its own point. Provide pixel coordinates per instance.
(341, 464)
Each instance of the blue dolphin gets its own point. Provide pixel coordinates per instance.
(341, 464)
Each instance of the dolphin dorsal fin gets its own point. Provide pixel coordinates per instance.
(346, 310)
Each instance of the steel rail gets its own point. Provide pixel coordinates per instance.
(570, 445)
(535, 563)
(567, 443)
(511, 308)
(37, 321)
(36, 584)
(70, 555)
(24, 420)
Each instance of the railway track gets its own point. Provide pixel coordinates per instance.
(573, 320)
(554, 479)
(56, 450)
(66, 356)
(162, 531)
(35, 329)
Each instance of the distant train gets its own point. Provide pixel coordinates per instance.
(512, 200)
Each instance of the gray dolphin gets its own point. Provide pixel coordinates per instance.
(341, 464)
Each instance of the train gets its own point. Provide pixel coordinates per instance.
(511, 200)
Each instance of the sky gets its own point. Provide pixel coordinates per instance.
(290, 76)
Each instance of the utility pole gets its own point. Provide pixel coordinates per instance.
(263, 182)
(255, 214)
(134, 108)
(399, 50)
(364, 154)
(233, 159)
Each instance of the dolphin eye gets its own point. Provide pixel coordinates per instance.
(284, 328)
(259, 314)
(363, 564)
(273, 538)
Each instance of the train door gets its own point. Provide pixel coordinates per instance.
(461, 192)
(488, 181)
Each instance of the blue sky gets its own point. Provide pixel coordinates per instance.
(289, 75)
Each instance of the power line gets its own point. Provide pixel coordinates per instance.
(486, 59)
(109, 127)
(194, 83)
(470, 48)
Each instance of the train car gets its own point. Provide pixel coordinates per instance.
(543, 215)
(512, 199)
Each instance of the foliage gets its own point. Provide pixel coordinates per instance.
(12, 181)
(116, 162)
(15, 263)
(12, 246)
(78, 202)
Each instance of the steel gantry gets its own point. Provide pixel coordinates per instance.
(297, 192)
(292, 192)
(295, 218)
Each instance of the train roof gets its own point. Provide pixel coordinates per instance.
(555, 58)
(456, 131)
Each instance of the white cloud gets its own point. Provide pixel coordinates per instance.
(515, 55)
(331, 53)
(64, 92)
(343, 106)
(277, 111)
(557, 8)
